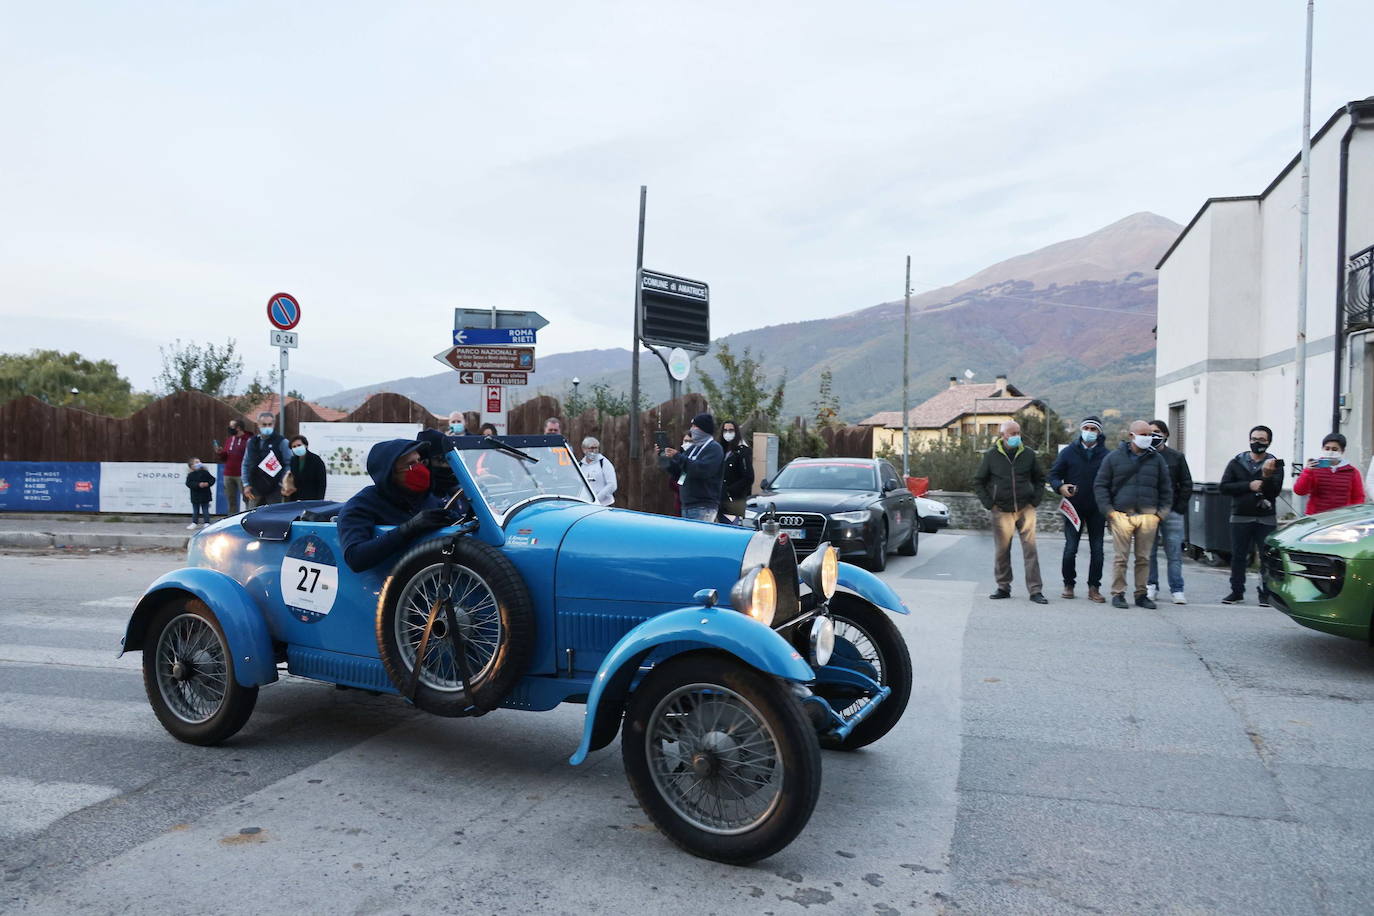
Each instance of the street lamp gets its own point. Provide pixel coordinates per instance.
(576, 381)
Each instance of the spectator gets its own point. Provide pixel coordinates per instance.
(600, 473)
(1009, 483)
(201, 484)
(457, 426)
(1171, 529)
(399, 496)
(1253, 480)
(1330, 481)
(553, 427)
(698, 467)
(308, 474)
(1075, 469)
(739, 470)
(230, 457)
(264, 463)
(1133, 491)
(488, 429)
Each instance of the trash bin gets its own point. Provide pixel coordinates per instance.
(1209, 520)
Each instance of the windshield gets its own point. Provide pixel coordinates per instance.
(504, 479)
(826, 475)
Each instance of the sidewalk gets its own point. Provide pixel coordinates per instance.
(57, 530)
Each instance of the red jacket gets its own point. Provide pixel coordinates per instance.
(231, 455)
(1330, 488)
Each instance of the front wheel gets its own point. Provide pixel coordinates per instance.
(188, 673)
(721, 757)
(877, 560)
(867, 641)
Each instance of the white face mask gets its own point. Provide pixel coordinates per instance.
(1333, 456)
(197, 466)
(1143, 441)
(729, 437)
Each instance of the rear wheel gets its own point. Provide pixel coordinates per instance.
(721, 757)
(867, 641)
(912, 542)
(188, 673)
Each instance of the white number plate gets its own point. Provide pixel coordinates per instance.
(796, 533)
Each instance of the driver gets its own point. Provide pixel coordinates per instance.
(399, 496)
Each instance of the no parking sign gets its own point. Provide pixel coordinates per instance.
(283, 311)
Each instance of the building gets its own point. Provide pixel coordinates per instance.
(958, 410)
(1228, 309)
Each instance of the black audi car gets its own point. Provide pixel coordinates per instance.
(859, 505)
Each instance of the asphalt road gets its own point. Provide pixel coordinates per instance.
(1066, 758)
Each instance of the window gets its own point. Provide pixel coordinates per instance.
(1178, 425)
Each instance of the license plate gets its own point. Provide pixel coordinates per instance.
(795, 533)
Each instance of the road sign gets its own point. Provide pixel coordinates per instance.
(285, 338)
(283, 311)
(674, 311)
(493, 399)
(493, 378)
(505, 318)
(501, 359)
(679, 363)
(466, 337)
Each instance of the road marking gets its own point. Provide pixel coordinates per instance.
(107, 625)
(79, 716)
(78, 658)
(27, 806)
(124, 601)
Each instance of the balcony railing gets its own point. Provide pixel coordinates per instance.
(1359, 290)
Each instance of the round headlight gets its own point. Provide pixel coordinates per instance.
(756, 594)
(822, 641)
(830, 572)
(821, 570)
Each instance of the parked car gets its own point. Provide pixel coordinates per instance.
(723, 663)
(1320, 571)
(858, 505)
(934, 514)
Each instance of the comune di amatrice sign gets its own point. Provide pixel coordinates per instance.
(674, 311)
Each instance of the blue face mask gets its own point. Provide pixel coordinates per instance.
(298, 451)
(456, 429)
(1014, 441)
(1089, 436)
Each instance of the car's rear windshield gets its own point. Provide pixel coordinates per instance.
(504, 479)
(826, 475)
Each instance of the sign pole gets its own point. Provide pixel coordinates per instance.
(634, 348)
(281, 396)
(906, 375)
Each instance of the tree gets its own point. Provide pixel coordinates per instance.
(827, 403)
(68, 380)
(1043, 433)
(211, 369)
(257, 392)
(743, 394)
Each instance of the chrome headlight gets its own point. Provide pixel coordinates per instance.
(1347, 533)
(822, 641)
(861, 515)
(821, 571)
(756, 594)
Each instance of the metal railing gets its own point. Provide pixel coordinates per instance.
(1359, 290)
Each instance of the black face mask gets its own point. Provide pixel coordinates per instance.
(1259, 448)
(233, 432)
(1157, 439)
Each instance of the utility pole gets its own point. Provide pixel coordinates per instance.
(1304, 201)
(634, 348)
(906, 374)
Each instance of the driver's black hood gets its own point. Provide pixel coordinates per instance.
(814, 500)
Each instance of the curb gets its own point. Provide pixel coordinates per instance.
(43, 539)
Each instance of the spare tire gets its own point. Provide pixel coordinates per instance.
(492, 606)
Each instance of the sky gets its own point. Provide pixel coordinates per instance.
(167, 167)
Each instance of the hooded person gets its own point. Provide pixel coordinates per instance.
(443, 483)
(399, 496)
(698, 467)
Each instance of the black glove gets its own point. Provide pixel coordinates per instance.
(425, 521)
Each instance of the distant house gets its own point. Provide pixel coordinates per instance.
(269, 405)
(959, 410)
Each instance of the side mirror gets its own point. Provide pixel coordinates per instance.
(763, 484)
(707, 597)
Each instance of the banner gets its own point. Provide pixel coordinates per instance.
(344, 448)
(150, 486)
(49, 486)
(1070, 513)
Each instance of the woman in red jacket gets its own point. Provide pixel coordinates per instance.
(1330, 482)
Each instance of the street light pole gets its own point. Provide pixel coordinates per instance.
(906, 374)
(1304, 200)
(634, 348)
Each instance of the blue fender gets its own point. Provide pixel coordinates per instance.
(725, 629)
(250, 643)
(863, 583)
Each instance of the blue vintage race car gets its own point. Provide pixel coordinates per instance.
(724, 664)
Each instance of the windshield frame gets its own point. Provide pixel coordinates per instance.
(873, 484)
(538, 447)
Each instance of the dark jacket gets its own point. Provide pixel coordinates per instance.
(702, 466)
(309, 474)
(1008, 482)
(1235, 483)
(1078, 465)
(201, 494)
(739, 472)
(383, 503)
(1179, 475)
(1134, 484)
(254, 452)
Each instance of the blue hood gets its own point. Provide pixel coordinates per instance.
(381, 459)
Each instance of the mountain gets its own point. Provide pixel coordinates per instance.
(1070, 323)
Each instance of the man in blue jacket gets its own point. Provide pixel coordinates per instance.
(262, 478)
(699, 469)
(399, 496)
(1072, 477)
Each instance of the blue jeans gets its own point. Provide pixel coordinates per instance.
(200, 512)
(1094, 524)
(1170, 533)
(701, 513)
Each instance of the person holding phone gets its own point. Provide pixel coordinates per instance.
(1072, 476)
(230, 457)
(1253, 479)
(1330, 481)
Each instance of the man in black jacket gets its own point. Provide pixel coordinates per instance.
(698, 469)
(1253, 480)
(265, 458)
(1075, 469)
(1009, 483)
(1171, 529)
(1134, 492)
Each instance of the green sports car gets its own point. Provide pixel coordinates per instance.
(1320, 571)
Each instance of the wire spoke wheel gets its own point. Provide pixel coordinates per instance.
(865, 650)
(867, 641)
(476, 612)
(188, 674)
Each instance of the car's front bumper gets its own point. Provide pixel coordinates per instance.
(933, 522)
(1329, 593)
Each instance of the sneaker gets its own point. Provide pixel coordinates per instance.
(1067, 592)
(191, 527)
(1000, 593)
(1151, 591)
(1146, 602)
(1038, 598)
(1095, 595)
(1119, 601)
(1179, 599)
(1233, 598)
